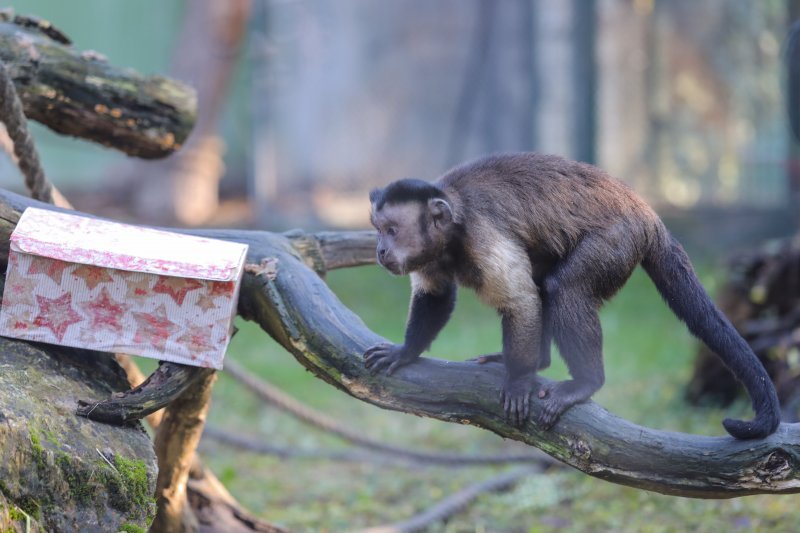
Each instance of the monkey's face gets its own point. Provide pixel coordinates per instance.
(411, 234)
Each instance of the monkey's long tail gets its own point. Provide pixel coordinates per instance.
(668, 266)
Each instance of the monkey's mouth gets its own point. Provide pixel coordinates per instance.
(392, 266)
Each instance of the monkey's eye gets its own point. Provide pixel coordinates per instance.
(391, 232)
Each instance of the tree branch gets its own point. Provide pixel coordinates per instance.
(162, 387)
(302, 314)
(176, 441)
(79, 94)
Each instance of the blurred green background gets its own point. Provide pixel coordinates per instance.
(325, 99)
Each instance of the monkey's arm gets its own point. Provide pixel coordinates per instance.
(522, 333)
(508, 286)
(430, 310)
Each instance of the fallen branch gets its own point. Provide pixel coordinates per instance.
(299, 311)
(454, 503)
(80, 94)
(303, 315)
(258, 446)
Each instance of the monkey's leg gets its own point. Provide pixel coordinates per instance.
(594, 271)
(547, 340)
(544, 353)
(579, 338)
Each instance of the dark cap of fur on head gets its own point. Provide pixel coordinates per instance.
(405, 190)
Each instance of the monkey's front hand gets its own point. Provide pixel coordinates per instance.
(516, 398)
(388, 356)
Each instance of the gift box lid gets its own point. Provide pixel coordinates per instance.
(91, 241)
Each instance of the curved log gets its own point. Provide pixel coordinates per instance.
(168, 382)
(301, 313)
(80, 94)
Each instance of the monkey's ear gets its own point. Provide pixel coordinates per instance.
(440, 211)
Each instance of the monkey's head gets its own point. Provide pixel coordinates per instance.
(414, 220)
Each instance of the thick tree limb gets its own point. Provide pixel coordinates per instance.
(329, 250)
(79, 94)
(302, 314)
(299, 311)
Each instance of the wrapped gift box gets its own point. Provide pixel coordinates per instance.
(83, 282)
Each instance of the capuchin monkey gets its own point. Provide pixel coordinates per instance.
(545, 241)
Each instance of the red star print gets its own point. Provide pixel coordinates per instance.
(221, 288)
(138, 288)
(177, 288)
(104, 312)
(197, 339)
(19, 321)
(52, 268)
(56, 314)
(206, 302)
(153, 328)
(92, 275)
(20, 288)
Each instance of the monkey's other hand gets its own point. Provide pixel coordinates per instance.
(388, 356)
(516, 399)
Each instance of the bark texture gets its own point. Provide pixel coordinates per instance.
(80, 94)
(163, 386)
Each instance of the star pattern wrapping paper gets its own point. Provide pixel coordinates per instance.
(125, 297)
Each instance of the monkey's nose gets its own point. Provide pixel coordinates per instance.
(381, 253)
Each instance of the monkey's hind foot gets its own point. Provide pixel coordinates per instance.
(559, 396)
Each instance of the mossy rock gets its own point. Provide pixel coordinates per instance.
(13, 519)
(58, 470)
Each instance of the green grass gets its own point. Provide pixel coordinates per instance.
(648, 357)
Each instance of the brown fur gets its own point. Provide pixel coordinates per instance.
(545, 241)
